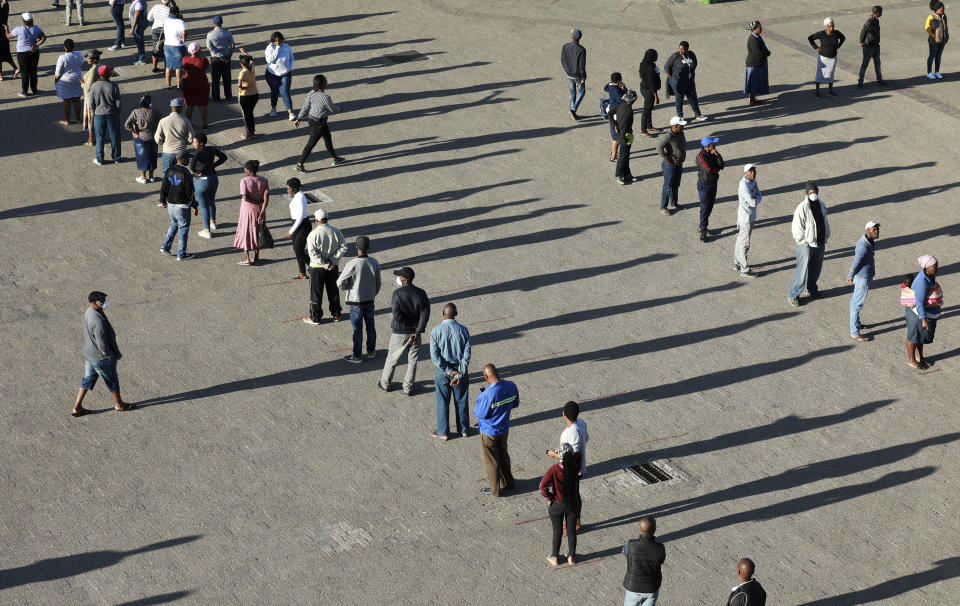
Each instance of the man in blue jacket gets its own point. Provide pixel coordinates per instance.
(493, 415)
(861, 273)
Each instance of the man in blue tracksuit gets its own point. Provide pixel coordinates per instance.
(493, 416)
(861, 273)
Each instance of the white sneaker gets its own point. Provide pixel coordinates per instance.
(291, 117)
(97, 162)
(932, 76)
(204, 233)
(141, 180)
(273, 113)
(213, 226)
(700, 119)
(113, 48)
(938, 74)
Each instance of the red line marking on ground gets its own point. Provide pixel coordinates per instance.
(679, 435)
(545, 355)
(609, 395)
(533, 520)
(274, 284)
(293, 320)
(580, 563)
(554, 2)
(627, 6)
(929, 371)
(493, 320)
(339, 350)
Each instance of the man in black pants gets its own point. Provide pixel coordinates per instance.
(317, 108)
(29, 38)
(301, 226)
(870, 44)
(709, 165)
(220, 43)
(326, 245)
(622, 119)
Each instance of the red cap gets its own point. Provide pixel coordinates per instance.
(104, 69)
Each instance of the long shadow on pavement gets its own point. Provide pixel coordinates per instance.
(943, 570)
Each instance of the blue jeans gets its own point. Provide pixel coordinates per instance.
(166, 161)
(179, 222)
(101, 368)
(576, 92)
(860, 288)
(809, 262)
(116, 11)
(671, 184)
(444, 390)
(138, 31)
(690, 94)
(206, 191)
(936, 50)
(279, 87)
(360, 316)
(641, 599)
(104, 126)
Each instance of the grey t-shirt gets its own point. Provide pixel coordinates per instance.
(220, 43)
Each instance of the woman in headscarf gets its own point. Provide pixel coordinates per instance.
(196, 86)
(254, 196)
(757, 81)
(922, 302)
(561, 487)
(68, 76)
(826, 43)
(649, 89)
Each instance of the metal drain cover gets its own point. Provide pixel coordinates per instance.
(406, 56)
(651, 473)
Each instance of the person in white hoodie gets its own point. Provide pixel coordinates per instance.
(811, 230)
(279, 57)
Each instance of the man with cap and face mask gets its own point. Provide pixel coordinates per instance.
(325, 245)
(621, 117)
(811, 230)
(105, 105)
(100, 352)
(861, 274)
(709, 165)
(411, 312)
(361, 281)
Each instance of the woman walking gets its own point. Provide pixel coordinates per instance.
(757, 80)
(5, 55)
(279, 57)
(29, 38)
(561, 486)
(300, 229)
(317, 108)
(254, 196)
(248, 95)
(93, 58)
(68, 79)
(826, 43)
(196, 86)
(205, 183)
(649, 88)
(174, 35)
(142, 122)
(937, 37)
(922, 302)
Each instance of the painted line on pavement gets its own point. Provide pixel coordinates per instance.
(293, 320)
(629, 4)
(533, 520)
(493, 320)
(580, 563)
(554, 353)
(274, 283)
(929, 371)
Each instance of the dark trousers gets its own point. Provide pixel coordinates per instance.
(671, 184)
(936, 51)
(496, 462)
(28, 70)
(219, 70)
(870, 52)
(321, 278)
(318, 130)
(362, 316)
(116, 11)
(623, 161)
(560, 513)
(247, 103)
(300, 245)
(690, 93)
(646, 117)
(708, 195)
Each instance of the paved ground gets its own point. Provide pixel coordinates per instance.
(263, 469)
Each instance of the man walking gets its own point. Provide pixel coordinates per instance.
(174, 134)
(450, 352)
(573, 58)
(645, 556)
(681, 69)
(811, 230)
(105, 106)
(749, 194)
(749, 592)
(493, 416)
(672, 149)
(325, 245)
(178, 196)
(870, 44)
(361, 281)
(220, 43)
(709, 165)
(861, 274)
(411, 312)
(621, 117)
(100, 352)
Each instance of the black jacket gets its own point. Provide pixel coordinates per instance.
(870, 32)
(177, 186)
(757, 52)
(748, 594)
(644, 558)
(709, 167)
(675, 67)
(573, 58)
(411, 310)
(206, 160)
(622, 118)
(649, 78)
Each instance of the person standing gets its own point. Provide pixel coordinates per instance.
(576, 436)
(174, 38)
(203, 165)
(560, 486)
(811, 230)
(826, 42)
(247, 91)
(100, 353)
(325, 245)
(615, 90)
(300, 229)
(5, 55)
(681, 69)
(69, 10)
(492, 411)
(645, 556)
(757, 80)
(68, 77)
(450, 352)
(749, 592)
(105, 105)
(158, 16)
(317, 109)
(861, 274)
(220, 44)
(361, 281)
(709, 165)
(622, 121)
(749, 196)
(672, 149)
(177, 195)
(138, 26)
(937, 37)
(143, 122)
(279, 74)
(29, 39)
(116, 11)
(922, 310)
(196, 87)
(870, 45)
(174, 134)
(411, 312)
(649, 88)
(254, 197)
(573, 58)
(93, 58)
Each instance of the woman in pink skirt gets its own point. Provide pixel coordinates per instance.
(254, 195)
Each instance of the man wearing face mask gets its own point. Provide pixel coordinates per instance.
(811, 230)
(100, 352)
(411, 312)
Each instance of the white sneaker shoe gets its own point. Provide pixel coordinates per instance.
(141, 180)
(204, 233)
(700, 119)
(213, 226)
(273, 113)
(932, 76)
(291, 117)
(938, 74)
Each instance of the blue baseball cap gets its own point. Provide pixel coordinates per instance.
(178, 102)
(708, 140)
(218, 20)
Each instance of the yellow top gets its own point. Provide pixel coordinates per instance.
(929, 25)
(249, 82)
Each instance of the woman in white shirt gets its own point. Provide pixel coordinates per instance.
(301, 226)
(67, 76)
(174, 35)
(278, 75)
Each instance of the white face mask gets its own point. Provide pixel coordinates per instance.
(813, 197)
(105, 303)
(399, 283)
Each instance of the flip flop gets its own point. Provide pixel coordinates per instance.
(82, 412)
(299, 277)
(438, 436)
(243, 263)
(126, 407)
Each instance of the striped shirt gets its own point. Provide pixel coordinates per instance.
(317, 106)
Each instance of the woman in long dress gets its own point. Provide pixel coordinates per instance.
(254, 196)
(196, 86)
(826, 43)
(67, 77)
(757, 81)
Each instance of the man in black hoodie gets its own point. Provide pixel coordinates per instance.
(622, 119)
(748, 592)
(644, 557)
(177, 196)
(870, 44)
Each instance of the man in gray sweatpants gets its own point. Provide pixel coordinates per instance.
(749, 194)
(411, 312)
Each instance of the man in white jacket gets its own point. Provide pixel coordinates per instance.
(811, 230)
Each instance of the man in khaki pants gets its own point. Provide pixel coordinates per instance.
(493, 415)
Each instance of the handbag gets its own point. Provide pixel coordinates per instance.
(158, 46)
(264, 239)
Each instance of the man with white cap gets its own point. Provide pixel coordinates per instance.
(749, 195)
(573, 58)
(325, 245)
(709, 165)
(672, 149)
(29, 38)
(861, 274)
(811, 230)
